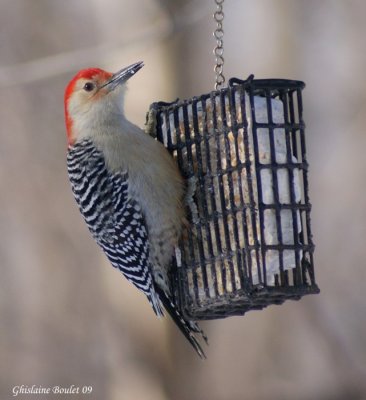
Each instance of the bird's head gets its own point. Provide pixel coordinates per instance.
(93, 98)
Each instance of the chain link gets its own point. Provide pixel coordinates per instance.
(219, 49)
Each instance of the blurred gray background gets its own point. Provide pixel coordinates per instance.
(66, 316)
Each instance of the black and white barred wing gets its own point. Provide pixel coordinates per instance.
(114, 220)
(129, 251)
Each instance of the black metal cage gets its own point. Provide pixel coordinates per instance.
(242, 152)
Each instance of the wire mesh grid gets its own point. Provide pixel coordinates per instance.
(242, 152)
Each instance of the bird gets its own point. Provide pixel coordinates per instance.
(128, 188)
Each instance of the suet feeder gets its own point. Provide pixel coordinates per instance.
(241, 149)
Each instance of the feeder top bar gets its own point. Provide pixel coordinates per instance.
(250, 82)
(268, 83)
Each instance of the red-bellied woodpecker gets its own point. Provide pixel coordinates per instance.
(128, 187)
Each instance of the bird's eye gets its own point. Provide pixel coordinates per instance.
(89, 86)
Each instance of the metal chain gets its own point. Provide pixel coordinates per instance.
(219, 49)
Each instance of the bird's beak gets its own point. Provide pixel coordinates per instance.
(123, 75)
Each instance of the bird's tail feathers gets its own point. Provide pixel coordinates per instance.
(188, 328)
(155, 303)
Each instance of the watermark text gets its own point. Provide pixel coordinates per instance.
(57, 390)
